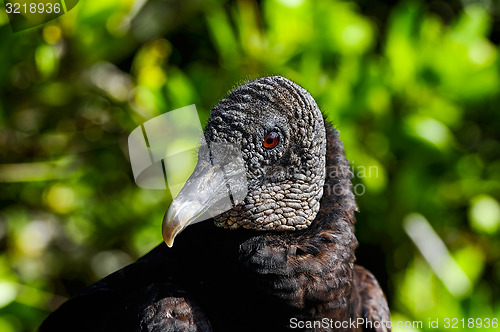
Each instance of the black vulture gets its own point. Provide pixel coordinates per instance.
(282, 258)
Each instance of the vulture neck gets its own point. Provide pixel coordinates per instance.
(338, 199)
(332, 234)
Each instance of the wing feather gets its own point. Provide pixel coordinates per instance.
(374, 308)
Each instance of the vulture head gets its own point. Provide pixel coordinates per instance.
(280, 133)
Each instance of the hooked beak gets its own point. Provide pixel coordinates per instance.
(179, 215)
(216, 185)
(195, 198)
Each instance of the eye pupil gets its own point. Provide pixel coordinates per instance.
(271, 140)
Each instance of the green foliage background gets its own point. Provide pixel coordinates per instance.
(413, 90)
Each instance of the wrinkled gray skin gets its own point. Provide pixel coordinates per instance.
(285, 183)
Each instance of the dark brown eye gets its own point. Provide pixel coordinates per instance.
(271, 140)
